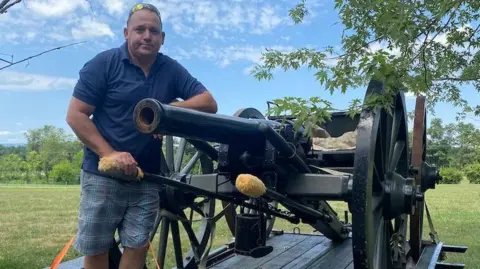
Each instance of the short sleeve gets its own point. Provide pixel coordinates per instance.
(92, 82)
(187, 85)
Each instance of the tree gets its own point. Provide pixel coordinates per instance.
(456, 145)
(429, 48)
(440, 145)
(12, 167)
(53, 146)
(64, 172)
(33, 165)
(6, 4)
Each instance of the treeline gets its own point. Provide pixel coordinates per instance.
(50, 156)
(53, 156)
(455, 148)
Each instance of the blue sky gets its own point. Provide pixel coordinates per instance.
(216, 40)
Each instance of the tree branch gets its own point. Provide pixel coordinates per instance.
(36, 55)
(8, 62)
(4, 5)
(456, 79)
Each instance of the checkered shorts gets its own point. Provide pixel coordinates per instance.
(107, 205)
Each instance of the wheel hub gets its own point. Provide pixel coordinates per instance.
(400, 195)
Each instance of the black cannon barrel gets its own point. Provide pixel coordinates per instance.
(153, 117)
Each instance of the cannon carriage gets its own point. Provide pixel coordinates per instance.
(263, 168)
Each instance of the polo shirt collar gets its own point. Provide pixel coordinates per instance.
(124, 56)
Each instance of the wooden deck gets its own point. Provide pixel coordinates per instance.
(303, 251)
(296, 251)
(290, 251)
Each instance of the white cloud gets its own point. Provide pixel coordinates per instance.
(56, 8)
(18, 81)
(12, 137)
(41, 22)
(115, 7)
(16, 140)
(90, 28)
(212, 17)
(225, 56)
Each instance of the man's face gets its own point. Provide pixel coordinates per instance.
(144, 34)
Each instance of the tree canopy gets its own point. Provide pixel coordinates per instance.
(426, 47)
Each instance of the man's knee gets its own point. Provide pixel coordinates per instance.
(97, 261)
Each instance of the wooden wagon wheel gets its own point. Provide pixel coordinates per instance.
(231, 212)
(378, 204)
(419, 149)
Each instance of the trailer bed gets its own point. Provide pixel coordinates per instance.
(291, 251)
(305, 251)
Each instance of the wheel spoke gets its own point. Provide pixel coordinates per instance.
(196, 208)
(169, 152)
(387, 137)
(396, 155)
(177, 245)
(382, 144)
(397, 119)
(163, 240)
(179, 154)
(193, 239)
(193, 161)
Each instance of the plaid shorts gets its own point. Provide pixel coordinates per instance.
(107, 205)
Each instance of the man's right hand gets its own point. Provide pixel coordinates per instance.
(124, 160)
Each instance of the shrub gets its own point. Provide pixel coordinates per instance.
(64, 172)
(451, 175)
(472, 172)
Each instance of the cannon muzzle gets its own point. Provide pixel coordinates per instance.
(153, 117)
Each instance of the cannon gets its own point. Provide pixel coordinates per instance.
(263, 168)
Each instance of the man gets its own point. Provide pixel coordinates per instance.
(109, 87)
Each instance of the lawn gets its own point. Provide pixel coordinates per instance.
(35, 224)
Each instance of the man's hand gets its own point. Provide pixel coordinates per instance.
(124, 160)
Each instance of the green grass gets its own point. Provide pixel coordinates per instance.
(35, 224)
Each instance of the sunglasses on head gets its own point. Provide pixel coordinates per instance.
(150, 7)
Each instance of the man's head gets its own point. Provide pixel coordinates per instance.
(144, 34)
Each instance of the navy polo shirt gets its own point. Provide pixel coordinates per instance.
(114, 85)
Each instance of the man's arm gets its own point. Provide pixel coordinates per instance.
(88, 93)
(202, 102)
(78, 118)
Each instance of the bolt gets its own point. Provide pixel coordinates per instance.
(407, 190)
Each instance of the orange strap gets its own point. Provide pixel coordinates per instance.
(62, 253)
(153, 254)
(65, 249)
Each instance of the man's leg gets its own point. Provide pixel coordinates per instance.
(101, 210)
(138, 223)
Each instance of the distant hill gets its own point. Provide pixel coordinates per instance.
(13, 144)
